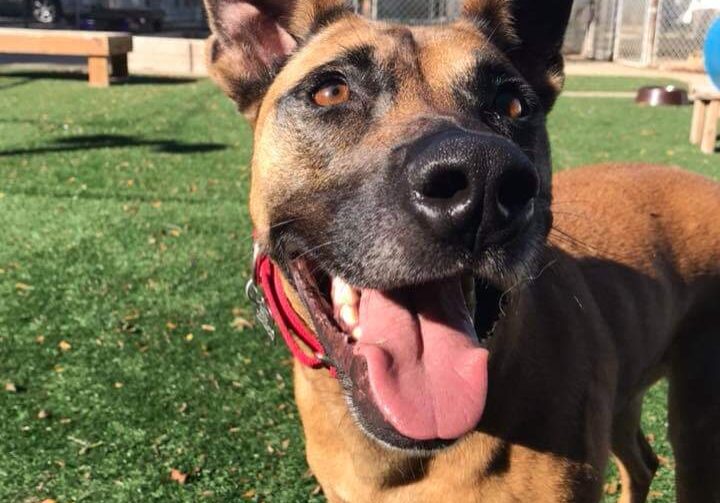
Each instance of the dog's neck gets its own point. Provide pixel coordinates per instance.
(511, 430)
(331, 432)
(352, 467)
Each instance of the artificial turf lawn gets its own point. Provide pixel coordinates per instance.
(123, 256)
(585, 83)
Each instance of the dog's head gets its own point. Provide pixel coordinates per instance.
(401, 179)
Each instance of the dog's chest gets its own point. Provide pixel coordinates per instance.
(515, 474)
(351, 468)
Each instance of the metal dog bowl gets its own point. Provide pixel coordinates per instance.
(655, 96)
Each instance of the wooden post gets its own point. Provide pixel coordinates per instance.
(709, 138)
(655, 19)
(618, 30)
(698, 121)
(99, 71)
(119, 65)
(649, 32)
(365, 7)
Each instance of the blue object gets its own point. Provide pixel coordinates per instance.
(712, 53)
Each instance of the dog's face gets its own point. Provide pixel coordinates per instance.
(401, 179)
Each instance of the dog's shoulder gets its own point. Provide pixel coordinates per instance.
(636, 213)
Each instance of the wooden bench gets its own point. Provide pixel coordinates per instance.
(706, 112)
(106, 51)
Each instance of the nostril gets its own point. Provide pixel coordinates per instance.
(444, 184)
(515, 191)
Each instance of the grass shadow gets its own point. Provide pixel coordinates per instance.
(18, 83)
(89, 142)
(29, 75)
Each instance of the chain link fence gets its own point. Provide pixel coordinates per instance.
(681, 31)
(591, 31)
(633, 29)
(637, 32)
(663, 32)
(410, 11)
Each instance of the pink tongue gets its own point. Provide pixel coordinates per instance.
(427, 374)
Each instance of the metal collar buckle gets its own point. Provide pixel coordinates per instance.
(262, 313)
(256, 297)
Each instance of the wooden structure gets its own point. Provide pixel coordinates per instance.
(106, 52)
(706, 112)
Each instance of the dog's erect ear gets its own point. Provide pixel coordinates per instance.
(531, 32)
(251, 39)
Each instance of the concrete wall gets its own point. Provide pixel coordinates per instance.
(172, 57)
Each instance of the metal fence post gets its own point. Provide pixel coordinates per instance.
(648, 40)
(657, 31)
(618, 29)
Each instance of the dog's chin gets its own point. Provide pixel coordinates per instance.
(412, 360)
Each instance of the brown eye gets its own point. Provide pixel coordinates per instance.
(333, 93)
(509, 105)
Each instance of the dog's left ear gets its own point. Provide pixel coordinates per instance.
(531, 33)
(251, 40)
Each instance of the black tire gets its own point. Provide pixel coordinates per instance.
(45, 11)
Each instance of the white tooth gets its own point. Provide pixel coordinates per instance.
(349, 315)
(342, 293)
(336, 290)
(353, 296)
(357, 333)
(333, 290)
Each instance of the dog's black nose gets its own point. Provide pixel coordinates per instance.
(470, 186)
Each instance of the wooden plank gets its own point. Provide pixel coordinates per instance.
(698, 121)
(709, 139)
(59, 46)
(98, 71)
(32, 32)
(707, 93)
(65, 43)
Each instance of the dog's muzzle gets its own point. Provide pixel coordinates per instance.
(470, 187)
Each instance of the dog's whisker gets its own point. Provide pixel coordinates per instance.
(285, 222)
(568, 201)
(557, 232)
(558, 235)
(571, 214)
(315, 248)
(563, 242)
(529, 278)
(251, 238)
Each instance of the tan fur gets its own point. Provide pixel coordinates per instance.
(352, 468)
(495, 13)
(306, 12)
(629, 281)
(445, 53)
(631, 215)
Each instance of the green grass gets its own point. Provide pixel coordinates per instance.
(124, 233)
(616, 84)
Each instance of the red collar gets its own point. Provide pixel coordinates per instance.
(271, 301)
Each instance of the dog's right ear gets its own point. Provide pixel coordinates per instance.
(251, 39)
(531, 33)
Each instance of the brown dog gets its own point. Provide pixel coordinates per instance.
(401, 180)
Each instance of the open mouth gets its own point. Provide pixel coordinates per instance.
(410, 358)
